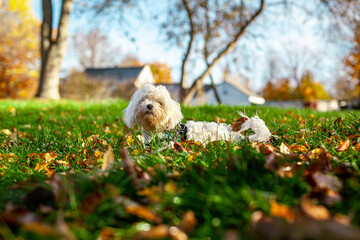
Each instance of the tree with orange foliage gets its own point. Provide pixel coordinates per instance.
(161, 72)
(353, 60)
(19, 56)
(280, 91)
(308, 89)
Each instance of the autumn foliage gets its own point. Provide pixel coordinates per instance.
(306, 89)
(161, 72)
(19, 49)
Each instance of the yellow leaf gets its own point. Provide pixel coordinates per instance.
(11, 110)
(6, 132)
(298, 148)
(108, 161)
(130, 141)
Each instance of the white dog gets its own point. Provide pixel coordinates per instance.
(152, 108)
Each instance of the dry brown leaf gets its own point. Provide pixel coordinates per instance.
(344, 145)
(178, 147)
(142, 212)
(317, 212)
(136, 209)
(327, 181)
(157, 232)
(108, 233)
(282, 211)
(188, 221)
(91, 203)
(231, 234)
(265, 149)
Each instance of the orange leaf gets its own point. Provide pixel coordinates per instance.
(344, 145)
(282, 211)
(315, 211)
(143, 212)
(188, 221)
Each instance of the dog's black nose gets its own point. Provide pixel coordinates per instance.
(149, 106)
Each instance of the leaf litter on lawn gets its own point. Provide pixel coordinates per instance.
(101, 181)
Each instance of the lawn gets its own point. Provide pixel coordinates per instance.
(73, 170)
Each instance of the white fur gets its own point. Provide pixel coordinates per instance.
(167, 115)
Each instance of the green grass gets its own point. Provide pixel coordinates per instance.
(223, 184)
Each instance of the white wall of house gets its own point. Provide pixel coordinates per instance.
(327, 105)
(144, 77)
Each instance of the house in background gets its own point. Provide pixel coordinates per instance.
(122, 81)
(230, 93)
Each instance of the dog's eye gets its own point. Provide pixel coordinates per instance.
(160, 103)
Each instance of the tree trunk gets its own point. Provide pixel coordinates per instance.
(52, 52)
(213, 86)
(183, 84)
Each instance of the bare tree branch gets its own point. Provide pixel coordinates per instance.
(188, 50)
(231, 45)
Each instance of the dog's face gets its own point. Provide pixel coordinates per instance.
(153, 109)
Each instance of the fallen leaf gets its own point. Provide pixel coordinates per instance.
(177, 234)
(11, 110)
(130, 140)
(6, 132)
(282, 211)
(157, 232)
(317, 212)
(344, 145)
(188, 221)
(178, 147)
(284, 148)
(327, 181)
(107, 161)
(91, 203)
(298, 148)
(231, 234)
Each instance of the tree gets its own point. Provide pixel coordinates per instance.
(352, 61)
(161, 72)
(280, 91)
(308, 89)
(227, 22)
(18, 49)
(94, 49)
(52, 49)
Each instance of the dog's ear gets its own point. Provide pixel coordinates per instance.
(175, 114)
(129, 112)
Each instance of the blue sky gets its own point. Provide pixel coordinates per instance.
(284, 36)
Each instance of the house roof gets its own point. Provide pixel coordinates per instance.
(117, 73)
